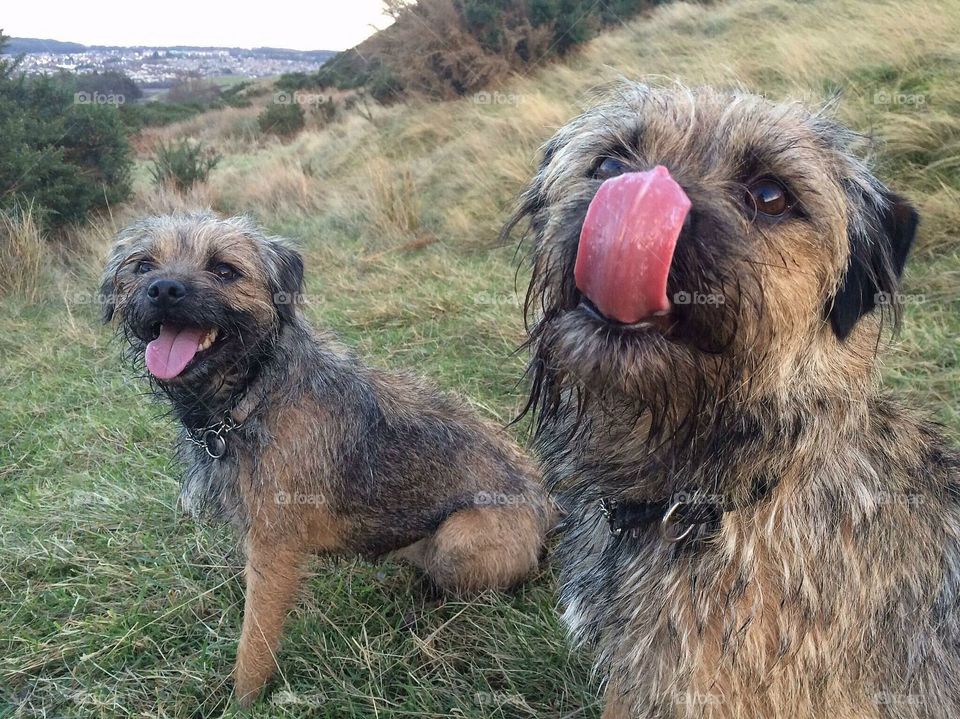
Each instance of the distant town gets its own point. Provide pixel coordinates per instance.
(160, 67)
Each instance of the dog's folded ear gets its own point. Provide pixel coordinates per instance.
(107, 298)
(286, 278)
(878, 254)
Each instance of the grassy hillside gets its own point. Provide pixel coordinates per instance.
(111, 605)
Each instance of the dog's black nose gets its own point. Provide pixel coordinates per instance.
(165, 293)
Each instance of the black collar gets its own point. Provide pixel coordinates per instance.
(683, 517)
(212, 438)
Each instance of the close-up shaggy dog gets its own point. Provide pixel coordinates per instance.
(754, 527)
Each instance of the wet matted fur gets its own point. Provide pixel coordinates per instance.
(330, 455)
(828, 584)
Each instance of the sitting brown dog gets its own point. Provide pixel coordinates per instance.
(755, 529)
(300, 446)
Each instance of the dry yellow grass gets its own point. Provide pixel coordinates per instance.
(467, 158)
(278, 184)
(24, 255)
(393, 199)
(228, 130)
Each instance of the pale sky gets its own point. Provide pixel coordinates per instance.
(309, 25)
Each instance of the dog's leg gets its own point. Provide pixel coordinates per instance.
(273, 575)
(482, 548)
(615, 706)
(414, 553)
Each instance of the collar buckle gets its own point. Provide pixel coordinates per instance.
(667, 520)
(608, 508)
(213, 439)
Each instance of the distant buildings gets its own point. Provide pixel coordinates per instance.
(159, 67)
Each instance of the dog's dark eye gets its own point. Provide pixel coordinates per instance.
(768, 197)
(224, 272)
(609, 167)
(143, 267)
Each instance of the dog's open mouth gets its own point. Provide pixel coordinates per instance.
(176, 347)
(661, 322)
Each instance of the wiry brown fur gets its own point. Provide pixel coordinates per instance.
(331, 456)
(831, 593)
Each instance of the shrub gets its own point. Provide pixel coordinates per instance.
(109, 82)
(237, 95)
(442, 64)
(574, 21)
(482, 18)
(182, 164)
(285, 119)
(383, 85)
(326, 111)
(156, 114)
(448, 48)
(63, 157)
(191, 88)
(293, 81)
(346, 70)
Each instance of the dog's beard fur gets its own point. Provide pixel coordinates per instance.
(581, 363)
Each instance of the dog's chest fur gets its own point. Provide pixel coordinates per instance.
(846, 575)
(210, 488)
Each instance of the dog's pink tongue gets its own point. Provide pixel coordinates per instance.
(167, 355)
(627, 243)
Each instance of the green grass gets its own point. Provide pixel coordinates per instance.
(111, 604)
